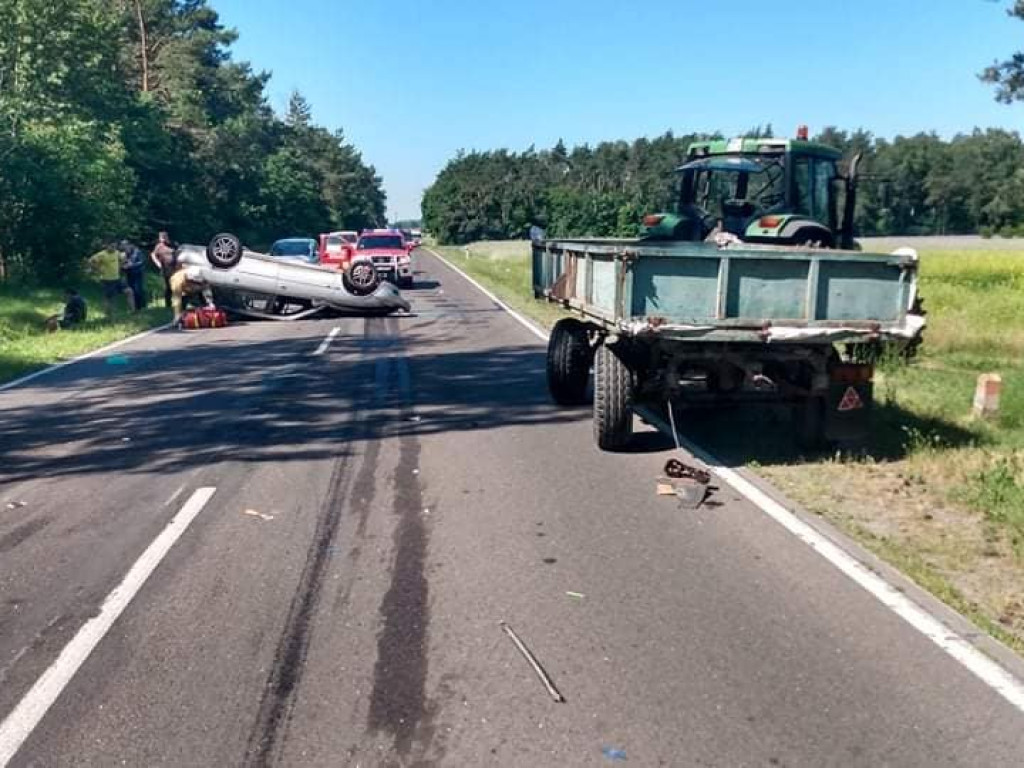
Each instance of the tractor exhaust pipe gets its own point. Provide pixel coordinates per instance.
(846, 239)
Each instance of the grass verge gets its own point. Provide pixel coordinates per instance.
(504, 267)
(26, 347)
(937, 494)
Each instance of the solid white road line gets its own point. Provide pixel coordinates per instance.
(24, 718)
(984, 668)
(86, 356)
(327, 341)
(540, 333)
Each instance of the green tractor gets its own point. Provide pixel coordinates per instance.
(768, 191)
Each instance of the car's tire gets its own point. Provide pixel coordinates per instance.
(361, 278)
(224, 250)
(613, 400)
(569, 359)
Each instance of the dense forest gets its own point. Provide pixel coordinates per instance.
(920, 184)
(122, 117)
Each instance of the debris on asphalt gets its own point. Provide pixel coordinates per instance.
(690, 485)
(118, 360)
(674, 468)
(126, 439)
(260, 515)
(618, 755)
(532, 660)
(415, 418)
(16, 504)
(577, 595)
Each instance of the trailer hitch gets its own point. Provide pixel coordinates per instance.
(690, 485)
(676, 469)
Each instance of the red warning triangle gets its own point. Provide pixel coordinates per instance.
(851, 400)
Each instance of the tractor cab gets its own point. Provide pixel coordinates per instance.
(772, 191)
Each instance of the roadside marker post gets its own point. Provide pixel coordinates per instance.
(986, 395)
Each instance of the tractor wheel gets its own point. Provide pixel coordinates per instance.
(569, 360)
(224, 250)
(910, 351)
(813, 238)
(613, 400)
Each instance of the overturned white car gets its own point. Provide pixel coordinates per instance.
(254, 284)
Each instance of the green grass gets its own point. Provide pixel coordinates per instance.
(24, 344)
(975, 302)
(504, 267)
(915, 567)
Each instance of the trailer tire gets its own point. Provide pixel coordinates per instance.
(613, 400)
(568, 363)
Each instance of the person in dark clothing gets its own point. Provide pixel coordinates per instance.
(134, 273)
(163, 259)
(75, 312)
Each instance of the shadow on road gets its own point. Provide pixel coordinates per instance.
(260, 402)
(766, 434)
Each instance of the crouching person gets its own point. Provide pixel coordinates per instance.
(74, 314)
(187, 283)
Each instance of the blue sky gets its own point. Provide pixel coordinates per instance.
(411, 82)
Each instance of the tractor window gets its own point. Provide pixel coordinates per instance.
(823, 210)
(812, 189)
(802, 201)
(720, 191)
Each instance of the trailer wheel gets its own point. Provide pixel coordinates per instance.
(613, 400)
(809, 416)
(569, 361)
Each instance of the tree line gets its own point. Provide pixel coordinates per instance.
(119, 118)
(912, 185)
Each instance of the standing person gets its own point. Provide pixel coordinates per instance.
(163, 259)
(106, 264)
(75, 312)
(135, 273)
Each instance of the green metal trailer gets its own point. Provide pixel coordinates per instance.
(703, 324)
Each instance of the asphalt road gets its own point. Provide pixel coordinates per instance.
(415, 487)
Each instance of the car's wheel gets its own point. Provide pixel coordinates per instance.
(569, 360)
(224, 250)
(613, 400)
(361, 278)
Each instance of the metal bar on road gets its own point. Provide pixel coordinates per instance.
(544, 677)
